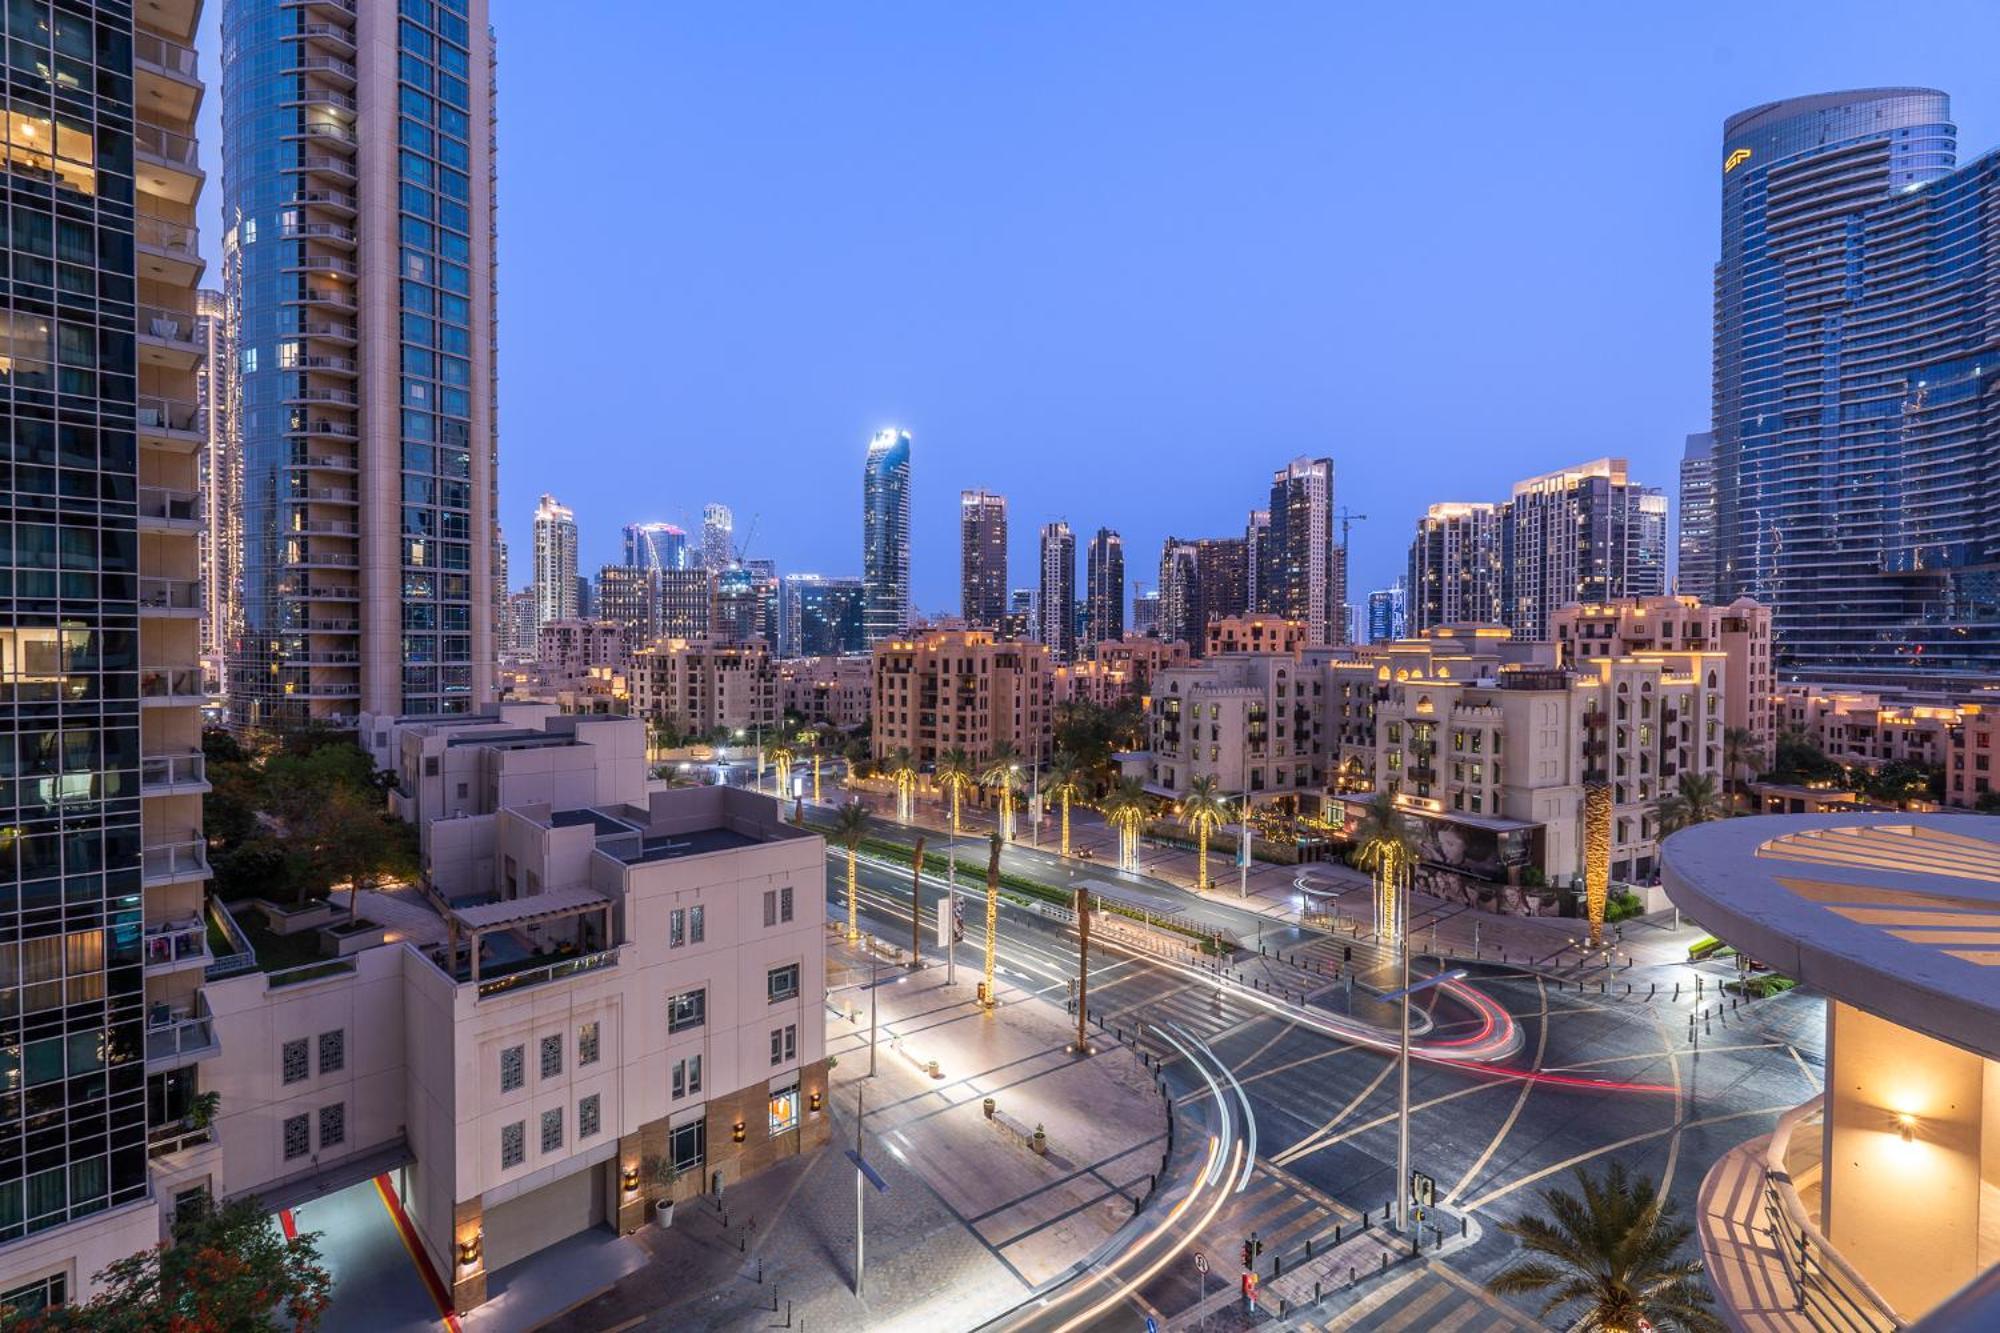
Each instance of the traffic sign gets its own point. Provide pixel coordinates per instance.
(1152, 1325)
(1201, 1263)
(1423, 1190)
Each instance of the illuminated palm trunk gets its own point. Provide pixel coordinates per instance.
(954, 812)
(902, 798)
(1201, 842)
(992, 918)
(815, 779)
(853, 903)
(1007, 814)
(1065, 829)
(1388, 892)
(1596, 856)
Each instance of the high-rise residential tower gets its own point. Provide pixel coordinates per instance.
(1256, 546)
(1695, 572)
(1582, 534)
(1057, 624)
(1179, 595)
(885, 536)
(218, 474)
(1387, 620)
(357, 174)
(1104, 589)
(655, 546)
(982, 538)
(1455, 575)
(555, 562)
(718, 538)
(1302, 576)
(103, 860)
(1855, 410)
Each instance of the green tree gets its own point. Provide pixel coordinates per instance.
(228, 1270)
(1742, 753)
(1694, 800)
(1126, 808)
(850, 827)
(1203, 810)
(953, 775)
(1987, 803)
(1385, 844)
(1609, 1259)
(1064, 784)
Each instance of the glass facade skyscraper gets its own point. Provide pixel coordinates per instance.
(1104, 590)
(982, 555)
(1694, 575)
(885, 537)
(1854, 413)
(103, 866)
(366, 416)
(655, 546)
(1057, 623)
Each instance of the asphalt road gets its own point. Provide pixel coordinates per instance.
(1595, 1078)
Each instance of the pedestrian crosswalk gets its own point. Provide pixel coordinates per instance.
(1431, 1297)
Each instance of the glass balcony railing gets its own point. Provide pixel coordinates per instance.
(165, 146)
(167, 861)
(168, 325)
(160, 771)
(161, 54)
(171, 505)
(156, 594)
(168, 414)
(160, 234)
(180, 1038)
(170, 683)
(173, 942)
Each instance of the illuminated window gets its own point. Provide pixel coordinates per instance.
(785, 1110)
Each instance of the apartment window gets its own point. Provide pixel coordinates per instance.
(785, 1110)
(687, 1010)
(552, 1130)
(770, 907)
(698, 924)
(676, 928)
(785, 903)
(687, 1076)
(586, 1044)
(513, 1068)
(688, 1145)
(296, 1069)
(44, 1293)
(513, 1144)
(552, 1056)
(332, 1051)
(332, 1125)
(298, 1136)
(784, 1043)
(782, 983)
(588, 1120)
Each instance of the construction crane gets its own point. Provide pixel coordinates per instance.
(1348, 518)
(749, 535)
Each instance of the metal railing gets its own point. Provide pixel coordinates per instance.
(171, 683)
(168, 414)
(317, 231)
(174, 149)
(339, 166)
(175, 941)
(170, 1139)
(242, 956)
(538, 976)
(178, 506)
(160, 53)
(323, 65)
(292, 976)
(1827, 1289)
(166, 324)
(338, 34)
(157, 594)
(161, 234)
(178, 1037)
(172, 770)
(175, 860)
(330, 129)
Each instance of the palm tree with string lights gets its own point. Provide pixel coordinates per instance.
(1065, 784)
(1126, 809)
(1000, 770)
(1387, 847)
(953, 776)
(781, 756)
(903, 772)
(850, 827)
(1203, 810)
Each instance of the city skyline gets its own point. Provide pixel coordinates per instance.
(1659, 94)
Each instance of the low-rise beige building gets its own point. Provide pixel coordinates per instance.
(1973, 769)
(570, 648)
(837, 691)
(1250, 721)
(1740, 631)
(1256, 634)
(699, 686)
(961, 689)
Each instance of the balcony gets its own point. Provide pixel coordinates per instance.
(156, 53)
(330, 397)
(166, 338)
(327, 495)
(328, 68)
(345, 430)
(332, 168)
(332, 298)
(173, 946)
(164, 510)
(324, 462)
(327, 592)
(168, 164)
(326, 560)
(333, 8)
(322, 97)
(332, 233)
(329, 132)
(175, 1039)
(325, 365)
(182, 773)
(170, 423)
(176, 1138)
(332, 627)
(338, 267)
(171, 687)
(328, 331)
(176, 861)
(330, 35)
(169, 597)
(170, 251)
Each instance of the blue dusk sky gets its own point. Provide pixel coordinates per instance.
(1119, 261)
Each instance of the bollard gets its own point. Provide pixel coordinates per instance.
(1652, 990)
(1315, 1292)
(1336, 1233)
(1350, 1276)
(1309, 1247)
(1385, 1261)
(1277, 1265)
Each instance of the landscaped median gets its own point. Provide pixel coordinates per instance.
(1019, 888)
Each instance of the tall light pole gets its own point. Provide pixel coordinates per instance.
(1243, 853)
(1402, 1067)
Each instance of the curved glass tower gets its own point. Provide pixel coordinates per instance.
(357, 190)
(885, 537)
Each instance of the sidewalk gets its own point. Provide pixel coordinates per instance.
(973, 1219)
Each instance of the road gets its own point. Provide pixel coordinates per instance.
(1590, 1077)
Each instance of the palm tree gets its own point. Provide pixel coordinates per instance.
(953, 776)
(851, 826)
(781, 756)
(1740, 750)
(903, 772)
(1203, 810)
(1613, 1253)
(1695, 800)
(1065, 783)
(1125, 809)
(999, 771)
(1387, 845)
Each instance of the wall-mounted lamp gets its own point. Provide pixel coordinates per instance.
(1906, 1124)
(738, 1132)
(631, 1180)
(815, 1101)
(468, 1250)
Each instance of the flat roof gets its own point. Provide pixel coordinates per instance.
(695, 842)
(1896, 914)
(606, 825)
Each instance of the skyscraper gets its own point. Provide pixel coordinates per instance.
(1386, 614)
(1305, 582)
(1455, 576)
(1256, 546)
(1695, 576)
(655, 546)
(687, 603)
(1104, 588)
(218, 473)
(629, 597)
(982, 537)
(103, 857)
(555, 562)
(823, 619)
(368, 501)
(1057, 626)
(885, 536)
(1179, 595)
(718, 537)
(746, 607)
(1146, 612)
(1222, 581)
(1582, 534)
(1855, 416)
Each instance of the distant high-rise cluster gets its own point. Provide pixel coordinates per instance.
(655, 546)
(718, 537)
(1695, 542)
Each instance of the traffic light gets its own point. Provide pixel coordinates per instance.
(1346, 953)
(1250, 1289)
(1256, 1246)
(1248, 1258)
